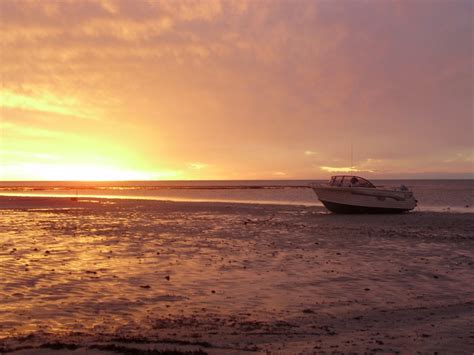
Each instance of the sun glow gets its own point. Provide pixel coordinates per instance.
(84, 172)
(91, 173)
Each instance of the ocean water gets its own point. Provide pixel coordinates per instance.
(435, 195)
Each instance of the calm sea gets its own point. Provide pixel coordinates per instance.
(438, 195)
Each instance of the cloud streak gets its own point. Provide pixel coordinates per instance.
(45, 103)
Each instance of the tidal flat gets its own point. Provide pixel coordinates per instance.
(102, 275)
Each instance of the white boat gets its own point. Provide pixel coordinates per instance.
(353, 194)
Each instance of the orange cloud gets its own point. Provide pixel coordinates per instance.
(170, 83)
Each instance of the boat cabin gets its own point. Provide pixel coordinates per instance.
(350, 181)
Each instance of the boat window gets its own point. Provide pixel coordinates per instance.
(364, 183)
(346, 181)
(354, 181)
(338, 181)
(350, 181)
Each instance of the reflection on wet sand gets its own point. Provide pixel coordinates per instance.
(234, 276)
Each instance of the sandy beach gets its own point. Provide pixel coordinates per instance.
(114, 275)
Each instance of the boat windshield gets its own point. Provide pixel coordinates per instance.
(350, 181)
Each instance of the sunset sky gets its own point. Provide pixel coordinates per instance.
(235, 89)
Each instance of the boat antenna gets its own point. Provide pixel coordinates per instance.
(351, 168)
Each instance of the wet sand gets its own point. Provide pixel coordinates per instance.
(103, 275)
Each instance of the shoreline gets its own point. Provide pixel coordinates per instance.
(231, 278)
(17, 197)
(11, 201)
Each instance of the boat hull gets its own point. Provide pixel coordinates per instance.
(364, 200)
(351, 209)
